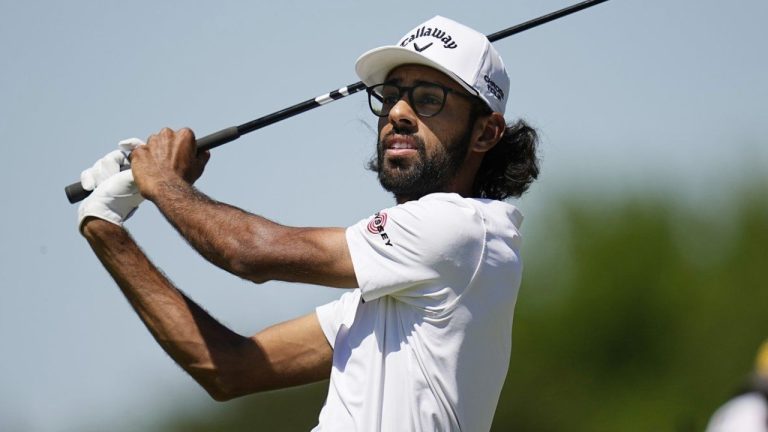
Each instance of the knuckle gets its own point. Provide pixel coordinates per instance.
(186, 132)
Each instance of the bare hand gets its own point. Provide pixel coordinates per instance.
(168, 156)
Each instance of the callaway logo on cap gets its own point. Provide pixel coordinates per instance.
(458, 51)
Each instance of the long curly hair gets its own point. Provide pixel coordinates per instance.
(509, 168)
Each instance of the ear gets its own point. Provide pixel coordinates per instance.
(487, 132)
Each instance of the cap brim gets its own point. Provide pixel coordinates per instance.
(374, 66)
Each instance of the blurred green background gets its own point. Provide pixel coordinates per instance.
(636, 313)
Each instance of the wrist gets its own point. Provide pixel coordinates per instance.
(162, 187)
(94, 227)
(113, 201)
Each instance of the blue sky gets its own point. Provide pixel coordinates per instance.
(629, 95)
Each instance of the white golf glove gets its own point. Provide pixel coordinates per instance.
(115, 196)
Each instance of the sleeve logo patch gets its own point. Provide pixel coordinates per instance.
(376, 226)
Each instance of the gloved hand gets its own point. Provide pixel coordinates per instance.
(109, 165)
(115, 196)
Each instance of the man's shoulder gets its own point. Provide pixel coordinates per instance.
(440, 201)
(454, 205)
(438, 212)
(442, 220)
(746, 412)
(435, 222)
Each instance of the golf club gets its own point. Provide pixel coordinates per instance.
(75, 191)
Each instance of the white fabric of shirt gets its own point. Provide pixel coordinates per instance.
(424, 343)
(745, 413)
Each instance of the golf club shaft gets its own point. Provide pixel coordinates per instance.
(75, 191)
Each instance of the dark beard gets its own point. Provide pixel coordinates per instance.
(425, 175)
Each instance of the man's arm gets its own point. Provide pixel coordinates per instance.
(225, 363)
(247, 245)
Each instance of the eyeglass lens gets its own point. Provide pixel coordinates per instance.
(426, 99)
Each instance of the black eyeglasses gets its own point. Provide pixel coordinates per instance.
(426, 99)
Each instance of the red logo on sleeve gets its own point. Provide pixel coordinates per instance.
(376, 226)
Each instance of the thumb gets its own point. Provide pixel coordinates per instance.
(120, 184)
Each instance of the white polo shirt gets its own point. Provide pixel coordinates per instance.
(744, 413)
(424, 343)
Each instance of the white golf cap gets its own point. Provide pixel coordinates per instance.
(458, 51)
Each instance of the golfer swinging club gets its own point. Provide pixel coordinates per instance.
(421, 338)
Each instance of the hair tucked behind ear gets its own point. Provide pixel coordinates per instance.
(510, 166)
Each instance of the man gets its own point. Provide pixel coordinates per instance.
(747, 411)
(422, 340)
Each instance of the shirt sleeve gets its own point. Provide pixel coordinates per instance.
(426, 249)
(337, 313)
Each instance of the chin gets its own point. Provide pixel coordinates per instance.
(400, 162)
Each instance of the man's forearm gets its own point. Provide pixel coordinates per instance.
(244, 244)
(227, 236)
(195, 340)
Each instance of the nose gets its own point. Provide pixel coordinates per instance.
(402, 114)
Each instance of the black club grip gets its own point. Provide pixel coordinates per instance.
(76, 193)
